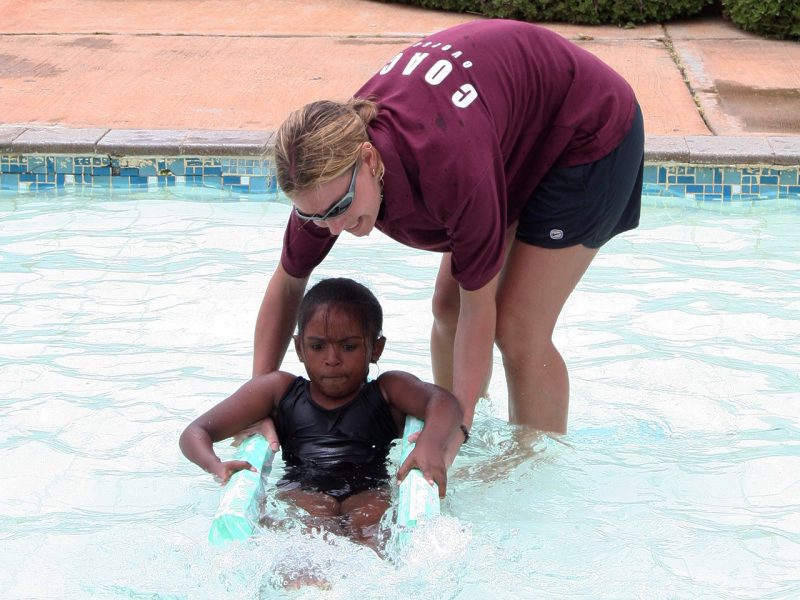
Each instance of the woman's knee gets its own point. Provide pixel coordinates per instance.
(505, 337)
(446, 301)
(518, 338)
(445, 306)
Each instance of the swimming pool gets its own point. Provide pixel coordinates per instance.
(124, 316)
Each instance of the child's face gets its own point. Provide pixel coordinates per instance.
(335, 351)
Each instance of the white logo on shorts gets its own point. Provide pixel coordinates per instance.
(556, 234)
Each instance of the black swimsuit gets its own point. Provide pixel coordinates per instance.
(341, 451)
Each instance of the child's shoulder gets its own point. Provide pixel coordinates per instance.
(388, 375)
(276, 375)
(396, 380)
(276, 378)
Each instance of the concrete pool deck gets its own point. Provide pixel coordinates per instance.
(179, 77)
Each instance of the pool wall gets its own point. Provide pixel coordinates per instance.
(39, 159)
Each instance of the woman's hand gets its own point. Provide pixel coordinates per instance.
(223, 471)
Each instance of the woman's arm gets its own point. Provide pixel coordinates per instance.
(276, 320)
(274, 327)
(474, 343)
(255, 400)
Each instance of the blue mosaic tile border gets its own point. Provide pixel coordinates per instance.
(710, 183)
(40, 173)
(256, 175)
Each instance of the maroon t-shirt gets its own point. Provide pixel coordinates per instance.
(470, 120)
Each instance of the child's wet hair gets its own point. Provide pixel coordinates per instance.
(347, 294)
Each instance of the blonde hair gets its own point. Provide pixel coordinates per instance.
(320, 141)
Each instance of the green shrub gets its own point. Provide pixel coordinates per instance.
(770, 18)
(590, 12)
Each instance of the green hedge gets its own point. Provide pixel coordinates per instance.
(590, 12)
(770, 18)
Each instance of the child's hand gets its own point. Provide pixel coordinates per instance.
(431, 462)
(223, 471)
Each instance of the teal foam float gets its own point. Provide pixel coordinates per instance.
(241, 501)
(240, 505)
(417, 500)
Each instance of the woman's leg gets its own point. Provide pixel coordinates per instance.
(573, 211)
(446, 305)
(536, 283)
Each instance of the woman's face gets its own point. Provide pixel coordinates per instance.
(350, 202)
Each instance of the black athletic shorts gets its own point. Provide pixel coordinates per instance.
(588, 204)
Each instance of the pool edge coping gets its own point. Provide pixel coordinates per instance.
(778, 150)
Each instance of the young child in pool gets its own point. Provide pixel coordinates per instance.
(335, 428)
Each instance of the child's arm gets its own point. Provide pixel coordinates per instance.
(442, 415)
(255, 400)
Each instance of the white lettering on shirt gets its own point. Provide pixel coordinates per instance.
(438, 72)
(464, 94)
(414, 62)
(390, 65)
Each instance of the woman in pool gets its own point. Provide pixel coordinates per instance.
(513, 152)
(336, 429)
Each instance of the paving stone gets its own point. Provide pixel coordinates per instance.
(8, 133)
(142, 142)
(58, 140)
(729, 150)
(786, 149)
(662, 148)
(144, 69)
(226, 143)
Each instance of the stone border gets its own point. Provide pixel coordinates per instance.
(20, 139)
(17, 139)
(42, 159)
(723, 150)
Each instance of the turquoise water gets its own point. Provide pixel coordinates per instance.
(122, 317)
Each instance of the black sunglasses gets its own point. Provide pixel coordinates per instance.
(337, 208)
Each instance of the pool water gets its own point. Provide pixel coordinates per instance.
(123, 317)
